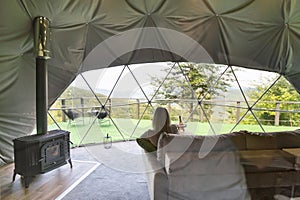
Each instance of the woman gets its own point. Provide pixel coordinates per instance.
(161, 123)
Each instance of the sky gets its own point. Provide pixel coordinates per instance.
(103, 80)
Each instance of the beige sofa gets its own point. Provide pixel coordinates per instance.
(239, 165)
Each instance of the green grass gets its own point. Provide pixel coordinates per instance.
(84, 131)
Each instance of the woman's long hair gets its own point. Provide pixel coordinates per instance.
(161, 120)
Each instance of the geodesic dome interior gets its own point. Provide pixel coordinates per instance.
(234, 33)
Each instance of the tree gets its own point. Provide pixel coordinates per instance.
(282, 92)
(189, 81)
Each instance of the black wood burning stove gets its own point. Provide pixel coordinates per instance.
(41, 153)
(46, 150)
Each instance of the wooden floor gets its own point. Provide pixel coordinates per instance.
(51, 185)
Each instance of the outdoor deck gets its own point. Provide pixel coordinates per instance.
(87, 131)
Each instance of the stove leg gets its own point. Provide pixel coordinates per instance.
(70, 162)
(26, 180)
(14, 176)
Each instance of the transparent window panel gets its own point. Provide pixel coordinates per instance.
(144, 123)
(207, 97)
(102, 81)
(173, 89)
(213, 117)
(129, 102)
(76, 111)
(125, 119)
(209, 80)
(150, 75)
(174, 86)
(98, 131)
(250, 79)
(235, 113)
(278, 108)
(248, 123)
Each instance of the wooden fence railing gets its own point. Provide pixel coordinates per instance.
(114, 103)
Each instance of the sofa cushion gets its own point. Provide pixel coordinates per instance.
(255, 141)
(146, 144)
(287, 139)
(218, 175)
(266, 160)
(193, 143)
(273, 140)
(207, 187)
(238, 139)
(213, 163)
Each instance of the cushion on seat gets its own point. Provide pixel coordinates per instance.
(259, 141)
(273, 140)
(192, 143)
(287, 139)
(146, 144)
(238, 139)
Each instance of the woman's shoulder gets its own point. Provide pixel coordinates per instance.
(147, 133)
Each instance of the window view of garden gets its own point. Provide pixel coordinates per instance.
(211, 98)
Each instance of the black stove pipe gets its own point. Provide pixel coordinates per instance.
(41, 41)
